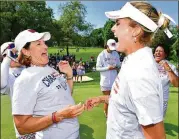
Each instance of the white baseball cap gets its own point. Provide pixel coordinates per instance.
(112, 44)
(4, 47)
(130, 11)
(29, 35)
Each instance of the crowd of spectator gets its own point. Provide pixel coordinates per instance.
(56, 57)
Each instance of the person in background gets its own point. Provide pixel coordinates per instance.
(136, 100)
(108, 63)
(80, 71)
(42, 98)
(81, 59)
(168, 73)
(74, 68)
(10, 70)
(87, 65)
(92, 58)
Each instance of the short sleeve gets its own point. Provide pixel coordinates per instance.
(147, 101)
(174, 69)
(24, 97)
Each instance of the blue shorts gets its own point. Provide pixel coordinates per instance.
(74, 72)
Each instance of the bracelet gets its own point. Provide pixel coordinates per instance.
(54, 120)
(168, 69)
(69, 78)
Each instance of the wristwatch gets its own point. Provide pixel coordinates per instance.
(69, 78)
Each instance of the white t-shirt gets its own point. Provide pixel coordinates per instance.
(165, 78)
(38, 92)
(104, 60)
(136, 97)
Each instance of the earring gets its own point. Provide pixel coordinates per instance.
(135, 40)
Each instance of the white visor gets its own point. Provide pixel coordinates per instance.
(130, 11)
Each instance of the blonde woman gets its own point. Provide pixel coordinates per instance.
(136, 101)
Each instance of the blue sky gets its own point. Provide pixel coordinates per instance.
(95, 9)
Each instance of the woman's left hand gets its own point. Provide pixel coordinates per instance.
(65, 67)
(165, 65)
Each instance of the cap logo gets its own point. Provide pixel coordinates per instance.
(31, 30)
(113, 44)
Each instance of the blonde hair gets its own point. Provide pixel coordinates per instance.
(153, 14)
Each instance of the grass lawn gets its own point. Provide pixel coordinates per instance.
(92, 124)
(84, 53)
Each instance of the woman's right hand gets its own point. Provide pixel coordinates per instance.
(70, 112)
(111, 67)
(92, 102)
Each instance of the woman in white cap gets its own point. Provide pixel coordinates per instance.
(10, 70)
(168, 73)
(42, 100)
(108, 63)
(136, 100)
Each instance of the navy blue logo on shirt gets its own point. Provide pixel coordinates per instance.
(64, 85)
(16, 75)
(49, 79)
(107, 59)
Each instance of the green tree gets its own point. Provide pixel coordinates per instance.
(175, 51)
(72, 21)
(20, 15)
(96, 38)
(107, 33)
(57, 33)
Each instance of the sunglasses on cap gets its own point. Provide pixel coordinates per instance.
(11, 54)
(10, 46)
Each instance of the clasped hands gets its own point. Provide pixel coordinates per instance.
(165, 65)
(73, 111)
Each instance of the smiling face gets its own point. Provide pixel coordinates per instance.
(38, 53)
(159, 54)
(123, 32)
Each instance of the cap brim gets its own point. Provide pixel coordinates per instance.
(114, 14)
(130, 11)
(45, 36)
(112, 48)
